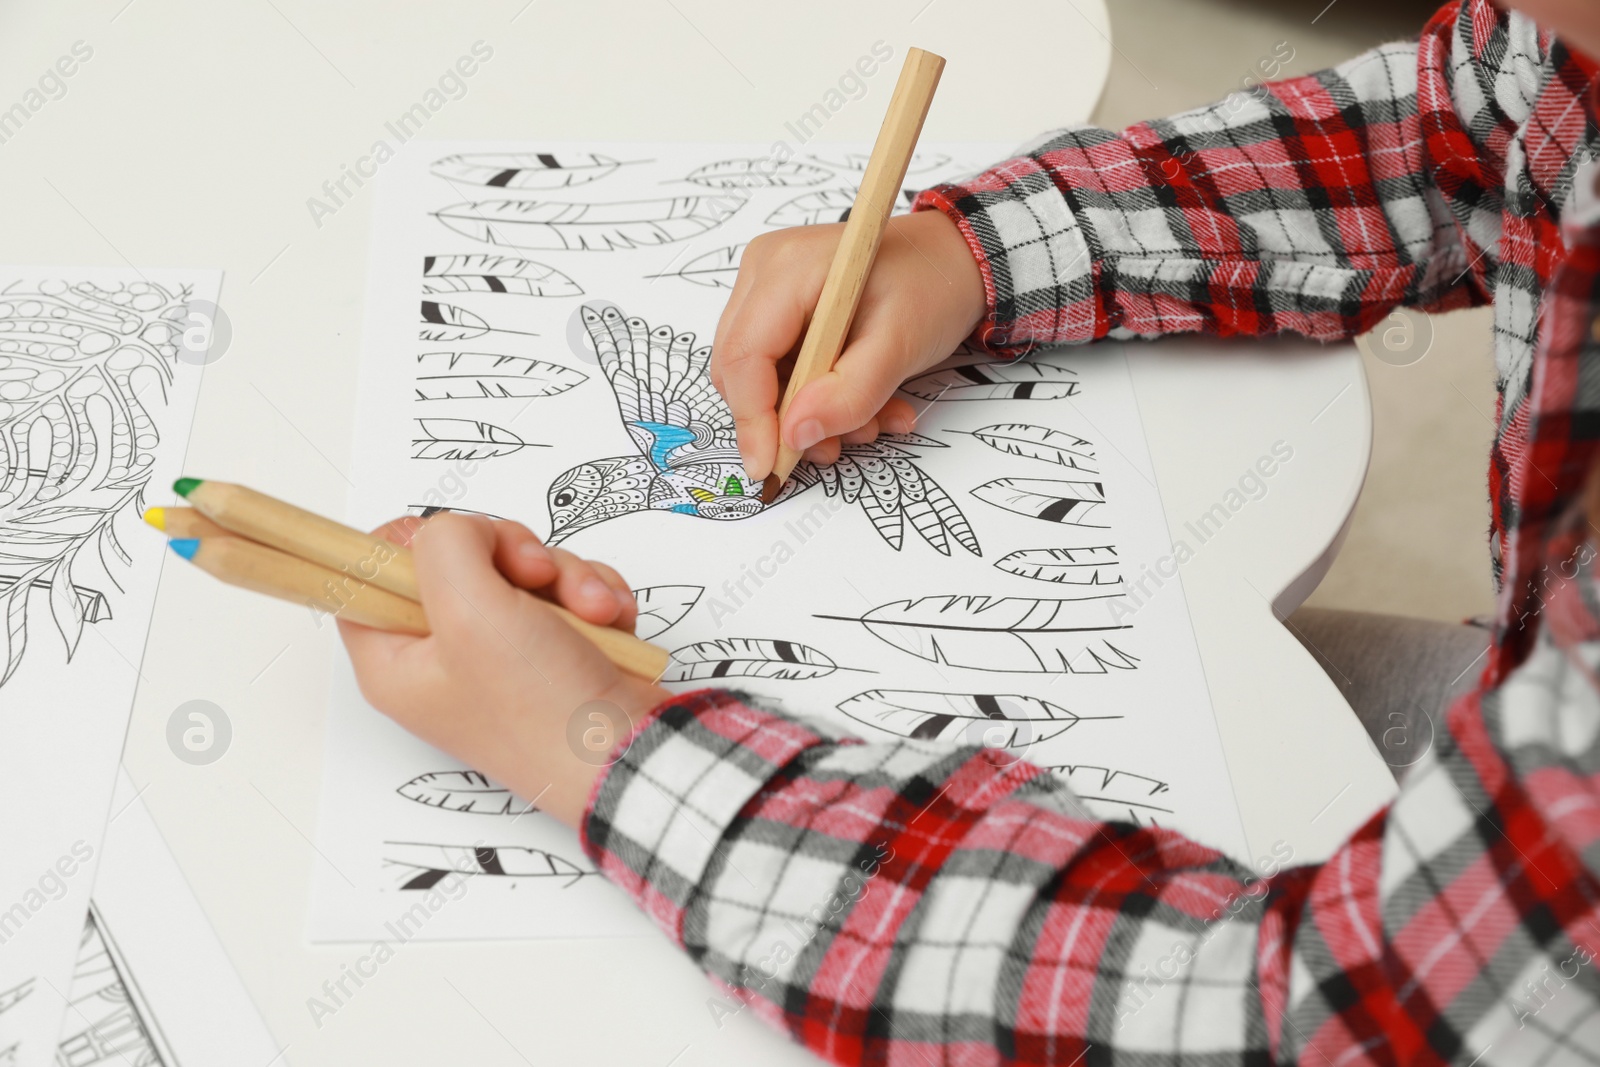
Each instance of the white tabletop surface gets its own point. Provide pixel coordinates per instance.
(195, 135)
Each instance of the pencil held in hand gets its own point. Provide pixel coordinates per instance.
(332, 567)
(256, 567)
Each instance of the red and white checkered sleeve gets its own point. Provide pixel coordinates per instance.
(1304, 206)
(917, 902)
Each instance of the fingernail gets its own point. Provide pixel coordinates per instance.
(596, 590)
(807, 434)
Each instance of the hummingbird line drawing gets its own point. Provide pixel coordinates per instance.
(688, 461)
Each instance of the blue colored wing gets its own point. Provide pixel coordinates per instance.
(663, 388)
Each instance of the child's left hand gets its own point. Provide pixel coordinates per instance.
(497, 681)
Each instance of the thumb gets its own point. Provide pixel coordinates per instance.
(462, 590)
(847, 397)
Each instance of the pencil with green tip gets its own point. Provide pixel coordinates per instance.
(338, 552)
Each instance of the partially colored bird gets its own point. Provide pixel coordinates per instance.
(688, 460)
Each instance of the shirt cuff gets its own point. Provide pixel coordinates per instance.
(658, 813)
(1038, 272)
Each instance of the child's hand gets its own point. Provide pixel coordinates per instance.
(923, 297)
(497, 681)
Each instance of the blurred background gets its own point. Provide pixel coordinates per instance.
(1418, 543)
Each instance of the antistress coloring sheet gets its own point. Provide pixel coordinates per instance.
(99, 370)
(151, 984)
(537, 341)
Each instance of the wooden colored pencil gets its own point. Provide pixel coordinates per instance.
(248, 565)
(182, 522)
(352, 556)
(858, 245)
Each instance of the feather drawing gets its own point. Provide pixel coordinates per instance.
(487, 273)
(463, 791)
(1117, 796)
(1094, 567)
(963, 718)
(686, 457)
(485, 376)
(526, 170)
(756, 174)
(464, 439)
(827, 205)
(84, 372)
(715, 269)
(1003, 633)
(995, 381)
(661, 606)
(544, 224)
(748, 657)
(1041, 443)
(920, 161)
(1073, 503)
(446, 322)
(419, 865)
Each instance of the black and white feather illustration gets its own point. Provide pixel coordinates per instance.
(1041, 443)
(467, 791)
(715, 269)
(464, 439)
(661, 606)
(1094, 567)
(1049, 499)
(747, 657)
(827, 205)
(1117, 796)
(489, 273)
(1022, 380)
(920, 161)
(420, 865)
(686, 458)
(447, 322)
(525, 170)
(486, 376)
(1003, 633)
(963, 718)
(759, 173)
(549, 225)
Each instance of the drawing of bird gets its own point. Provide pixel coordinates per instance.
(688, 459)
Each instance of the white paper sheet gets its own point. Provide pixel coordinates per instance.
(152, 985)
(97, 392)
(996, 597)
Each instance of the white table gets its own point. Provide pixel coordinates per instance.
(195, 135)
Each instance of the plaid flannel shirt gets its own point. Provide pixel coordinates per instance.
(912, 903)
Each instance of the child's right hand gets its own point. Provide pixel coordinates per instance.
(923, 297)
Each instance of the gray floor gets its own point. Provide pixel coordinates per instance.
(1418, 542)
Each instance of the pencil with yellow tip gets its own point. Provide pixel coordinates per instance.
(298, 555)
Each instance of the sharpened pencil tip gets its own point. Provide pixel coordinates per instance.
(185, 546)
(156, 517)
(771, 488)
(185, 486)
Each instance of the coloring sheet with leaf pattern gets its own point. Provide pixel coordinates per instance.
(536, 347)
(99, 370)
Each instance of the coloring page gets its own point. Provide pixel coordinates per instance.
(151, 985)
(537, 348)
(99, 370)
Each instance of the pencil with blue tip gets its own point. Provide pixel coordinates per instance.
(258, 542)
